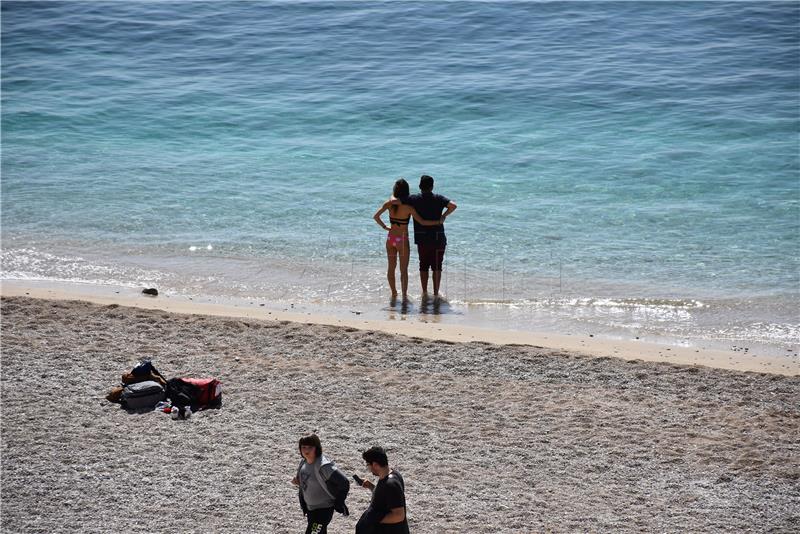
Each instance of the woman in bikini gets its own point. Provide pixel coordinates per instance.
(397, 240)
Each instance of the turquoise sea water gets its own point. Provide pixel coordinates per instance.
(628, 168)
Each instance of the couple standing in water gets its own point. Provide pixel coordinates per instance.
(426, 209)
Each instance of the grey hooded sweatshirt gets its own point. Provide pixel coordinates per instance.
(315, 494)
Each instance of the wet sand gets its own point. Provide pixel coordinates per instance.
(490, 438)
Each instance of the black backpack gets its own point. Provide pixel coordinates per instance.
(182, 393)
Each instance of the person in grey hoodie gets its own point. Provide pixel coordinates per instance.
(323, 488)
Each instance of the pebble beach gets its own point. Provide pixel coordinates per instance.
(489, 438)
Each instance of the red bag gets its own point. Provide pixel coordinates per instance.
(210, 391)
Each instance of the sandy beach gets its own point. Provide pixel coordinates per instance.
(490, 438)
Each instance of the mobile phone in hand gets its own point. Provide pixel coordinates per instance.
(358, 480)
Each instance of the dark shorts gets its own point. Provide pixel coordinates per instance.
(431, 256)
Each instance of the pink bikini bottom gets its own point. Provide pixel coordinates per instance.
(396, 240)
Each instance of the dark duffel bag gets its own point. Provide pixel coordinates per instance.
(142, 395)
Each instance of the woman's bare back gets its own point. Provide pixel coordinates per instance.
(401, 213)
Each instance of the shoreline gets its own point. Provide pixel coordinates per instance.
(588, 345)
(752, 323)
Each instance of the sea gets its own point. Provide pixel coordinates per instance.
(624, 169)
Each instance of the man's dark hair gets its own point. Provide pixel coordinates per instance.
(313, 441)
(377, 455)
(426, 183)
(400, 189)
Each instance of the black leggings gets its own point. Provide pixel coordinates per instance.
(318, 520)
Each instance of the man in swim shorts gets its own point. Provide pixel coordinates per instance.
(431, 241)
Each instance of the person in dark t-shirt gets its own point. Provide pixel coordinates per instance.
(386, 513)
(431, 241)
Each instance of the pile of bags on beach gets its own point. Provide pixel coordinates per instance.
(143, 388)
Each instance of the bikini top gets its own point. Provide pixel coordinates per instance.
(401, 222)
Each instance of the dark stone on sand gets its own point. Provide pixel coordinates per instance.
(150, 291)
